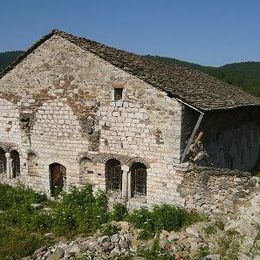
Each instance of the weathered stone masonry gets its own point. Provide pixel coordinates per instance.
(214, 190)
(70, 116)
(143, 127)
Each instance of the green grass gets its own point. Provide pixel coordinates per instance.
(23, 225)
(210, 230)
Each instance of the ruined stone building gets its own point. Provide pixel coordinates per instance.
(73, 111)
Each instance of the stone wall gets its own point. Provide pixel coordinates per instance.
(65, 113)
(213, 190)
(57, 106)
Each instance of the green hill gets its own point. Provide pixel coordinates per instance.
(7, 57)
(244, 74)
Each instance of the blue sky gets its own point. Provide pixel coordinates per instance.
(209, 32)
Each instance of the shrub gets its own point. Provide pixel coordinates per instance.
(22, 226)
(109, 229)
(145, 234)
(119, 212)
(170, 218)
(18, 211)
(80, 211)
(143, 219)
(165, 217)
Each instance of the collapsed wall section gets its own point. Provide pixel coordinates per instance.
(214, 190)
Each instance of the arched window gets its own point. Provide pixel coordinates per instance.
(2, 161)
(15, 157)
(138, 179)
(57, 178)
(113, 175)
(32, 164)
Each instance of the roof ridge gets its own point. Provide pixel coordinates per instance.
(193, 87)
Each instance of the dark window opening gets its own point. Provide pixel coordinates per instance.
(15, 163)
(113, 175)
(2, 161)
(138, 179)
(57, 178)
(118, 94)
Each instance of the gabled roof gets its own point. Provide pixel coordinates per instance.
(190, 86)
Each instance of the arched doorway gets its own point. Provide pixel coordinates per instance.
(57, 178)
(113, 175)
(2, 161)
(15, 157)
(138, 179)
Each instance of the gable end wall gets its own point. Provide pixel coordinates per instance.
(68, 93)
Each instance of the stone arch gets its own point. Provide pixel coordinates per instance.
(107, 157)
(2, 161)
(57, 178)
(138, 179)
(138, 160)
(13, 148)
(113, 175)
(15, 163)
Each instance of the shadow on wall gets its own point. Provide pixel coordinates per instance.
(230, 139)
(256, 171)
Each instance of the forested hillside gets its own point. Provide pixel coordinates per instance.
(244, 74)
(7, 57)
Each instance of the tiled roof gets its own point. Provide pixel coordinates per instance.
(190, 86)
